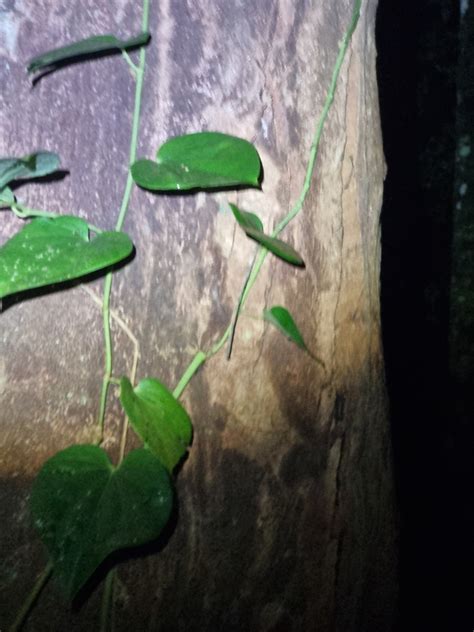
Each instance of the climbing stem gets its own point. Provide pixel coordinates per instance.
(24, 212)
(312, 156)
(262, 252)
(139, 72)
(32, 597)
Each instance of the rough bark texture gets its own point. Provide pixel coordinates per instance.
(285, 515)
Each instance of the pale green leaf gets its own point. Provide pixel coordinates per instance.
(158, 419)
(48, 251)
(36, 165)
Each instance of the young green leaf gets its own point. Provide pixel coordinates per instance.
(48, 251)
(85, 509)
(6, 197)
(206, 160)
(282, 320)
(42, 163)
(247, 220)
(158, 419)
(253, 228)
(95, 44)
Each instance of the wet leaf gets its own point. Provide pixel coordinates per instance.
(206, 160)
(158, 419)
(48, 251)
(85, 509)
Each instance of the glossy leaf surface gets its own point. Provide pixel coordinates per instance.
(88, 46)
(35, 165)
(48, 251)
(158, 419)
(281, 318)
(85, 509)
(206, 160)
(250, 223)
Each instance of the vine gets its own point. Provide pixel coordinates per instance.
(75, 494)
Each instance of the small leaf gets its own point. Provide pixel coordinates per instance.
(85, 509)
(206, 160)
(282, 319)
(48, 251)
(158, 419)
(251, 224)
(246, 219)
(6, 197)
(42, 163)
(95, 44)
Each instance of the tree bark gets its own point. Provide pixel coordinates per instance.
(286, 518)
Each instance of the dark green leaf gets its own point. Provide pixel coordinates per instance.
(95, 44)
(246, 219)
(282, 319)
(206, 160)
(35, 165)
(253, 228)
(48, 251)
(85, 509)
(158, 419)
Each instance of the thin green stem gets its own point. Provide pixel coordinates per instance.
(32, 597)
(133, 67)
(313, 154)
(120, 221)
(262, 252)
(196, 362)
(139, 72)
(24, 212)
(108, 361)
(107, 599)
(238, 306)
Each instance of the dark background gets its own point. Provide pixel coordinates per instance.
(418, 58)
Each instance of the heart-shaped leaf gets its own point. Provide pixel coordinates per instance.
(42, 163)
(206, 160)
(250, 223)
(281, 318)
(85, 509)
(158, 419)
(88, 46)
(48, 251)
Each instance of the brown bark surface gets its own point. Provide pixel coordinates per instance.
(285, 517)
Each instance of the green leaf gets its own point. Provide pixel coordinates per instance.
(247, 220)
(85, 509)
(282, 319)
(206, 160)
(95, 44)
(48, 251)
(42, 163)
(158, 419)
(253, 228)
(6, 197)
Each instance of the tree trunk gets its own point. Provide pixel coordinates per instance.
(285, 517)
